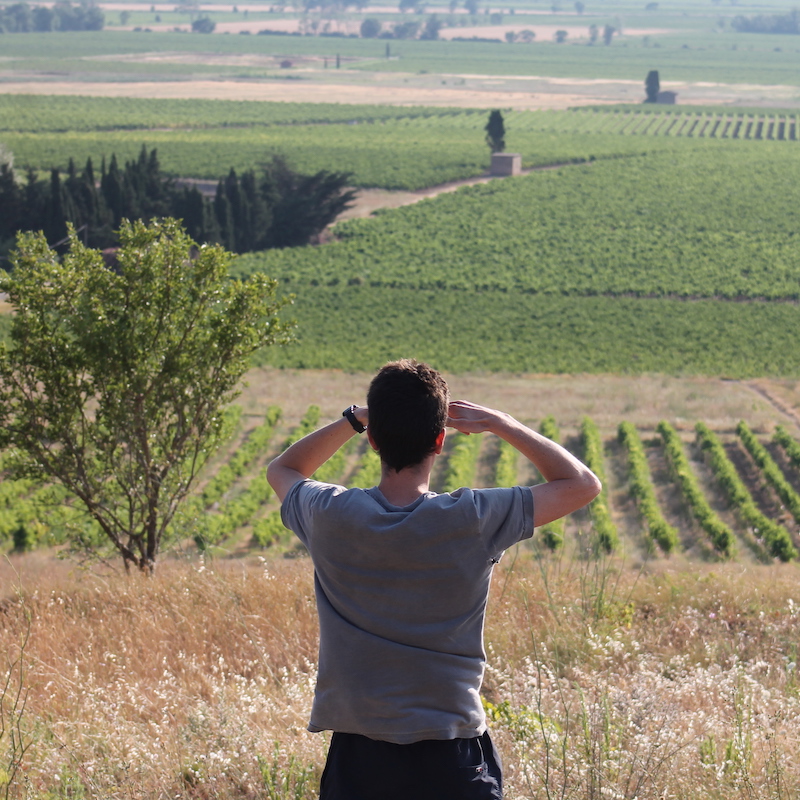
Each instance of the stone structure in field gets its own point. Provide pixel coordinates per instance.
(506, 164)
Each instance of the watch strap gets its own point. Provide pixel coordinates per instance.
(349, 414)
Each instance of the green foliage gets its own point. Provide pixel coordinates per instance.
(368, 472)
(462, 461)
(496, 132)
(505, 469)
(583, 334)
(333, 469)
(553, 532)
(281, 208)
(269, 531)
(660, 233)
(721, 535)
(287, 781)
(776, 538)
(647, 274)
(592, 445)
(116, 380)
(62, 16)
(309, 423)
(253, 447)
(658, 529)
(770, 470)
(792, 447)
(234, 513)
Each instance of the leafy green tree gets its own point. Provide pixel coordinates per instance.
(203, 25)
(432, 27)
(652, 86)
(370, 28)
(116, 377)
(406, 30)
(495, 132)
(302, 205)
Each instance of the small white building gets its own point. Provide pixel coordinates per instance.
(506, 164)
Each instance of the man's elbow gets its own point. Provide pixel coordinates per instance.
(586, 488)
(276, 477)
(593, 486)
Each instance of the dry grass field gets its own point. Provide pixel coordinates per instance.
(608, 399)
(603, 681)
(610, 678)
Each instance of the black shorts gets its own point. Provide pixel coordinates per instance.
(359, 768)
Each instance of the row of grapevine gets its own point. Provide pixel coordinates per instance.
(771, 471)
(28, 113)
(776, 538)
(462, 461)
(659, 530)
(238, 463)
(242, 509)
(792, 448)
(553, 532)
(678, 123)
(368, 471)
(722, 538)
(245, 505)
(592, 447)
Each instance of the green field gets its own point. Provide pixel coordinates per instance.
(681, 54)
(392, 148)
(648, 264)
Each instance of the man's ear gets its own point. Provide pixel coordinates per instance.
(371, 440)
(439, 442)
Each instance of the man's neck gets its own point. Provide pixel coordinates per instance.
(404, 487)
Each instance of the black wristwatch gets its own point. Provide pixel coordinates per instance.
(353, 419)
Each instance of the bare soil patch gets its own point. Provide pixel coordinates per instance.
(311, 83)
(304, 91)
(543, 33)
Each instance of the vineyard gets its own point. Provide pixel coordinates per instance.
(707, 495)
(392, 148)
(645, 264)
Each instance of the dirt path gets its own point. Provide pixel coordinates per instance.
(370, 200)
(776, 402)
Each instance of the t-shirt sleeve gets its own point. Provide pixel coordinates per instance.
(506, 517)
(302, 501)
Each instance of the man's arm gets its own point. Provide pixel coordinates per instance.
(570, 483)
(306, 456)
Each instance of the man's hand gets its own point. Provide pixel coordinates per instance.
(469, 417)
(570, 484)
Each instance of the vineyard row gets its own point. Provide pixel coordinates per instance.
(662, 494)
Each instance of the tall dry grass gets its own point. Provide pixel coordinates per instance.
(604, 682)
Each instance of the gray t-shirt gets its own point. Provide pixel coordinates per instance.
(401, 595)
